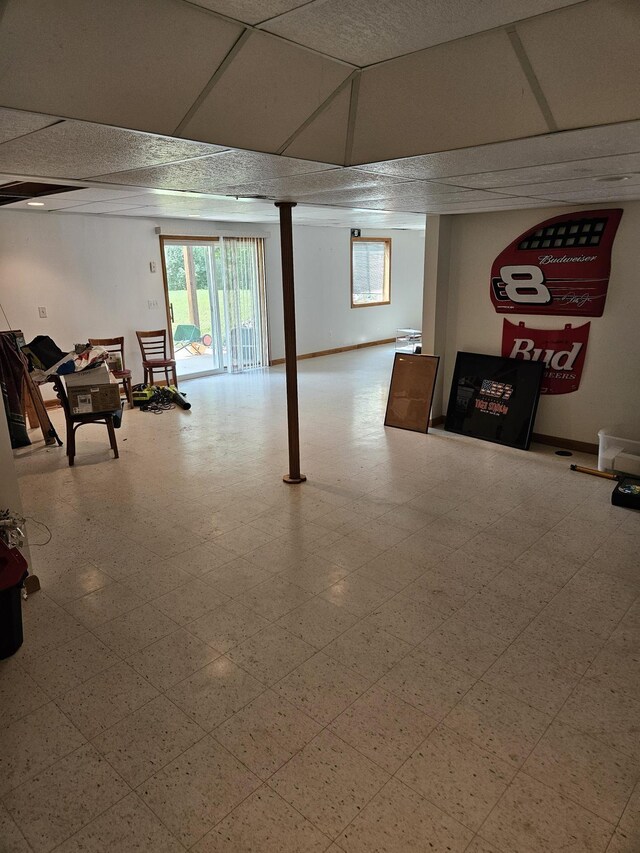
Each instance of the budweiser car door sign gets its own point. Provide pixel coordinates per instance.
(560, 266)
(562, 351)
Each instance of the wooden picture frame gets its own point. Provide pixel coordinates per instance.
(413, 381)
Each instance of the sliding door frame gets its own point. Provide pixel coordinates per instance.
(184, 240)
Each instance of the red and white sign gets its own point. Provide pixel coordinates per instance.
(560, 266)
(562, 350)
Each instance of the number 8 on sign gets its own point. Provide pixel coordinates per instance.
(524, 283)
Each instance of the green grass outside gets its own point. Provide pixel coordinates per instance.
(180, 304)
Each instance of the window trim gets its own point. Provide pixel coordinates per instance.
(387, 270)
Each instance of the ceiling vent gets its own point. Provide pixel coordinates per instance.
(24, 190)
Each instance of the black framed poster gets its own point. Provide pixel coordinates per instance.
(411, 391)
(494, 398)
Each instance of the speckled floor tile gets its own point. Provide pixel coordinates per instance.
(264, 822)
(464, 647)
(34, 742)
(19, 693)
(147, 739)
(532, 818)
(459, 777)
(13, 840)
(398, 820)
(367, 650)
(196, 790)
(172, 659)
(227, 626)
(498, 723)
(584, 770)
(105, 699)
(59, 801)
(266, 733)
(271, 654)
(523, 674)
(127, 827)
(427, 683)
(328, 782)
(215, 692)
(71, 664)
(134, 630)
(383, 727)
(317, 621)
(604, 710)
(321, 687)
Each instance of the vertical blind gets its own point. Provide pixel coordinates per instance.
(242, 271)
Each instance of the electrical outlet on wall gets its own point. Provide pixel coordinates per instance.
(42, 313)
(152, 266)
(152, 303)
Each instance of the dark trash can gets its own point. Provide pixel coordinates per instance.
(13, 571)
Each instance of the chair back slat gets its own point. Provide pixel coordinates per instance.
(153, 344)
(114, 346)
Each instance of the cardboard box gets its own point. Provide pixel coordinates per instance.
(99, 375)
(87, 399)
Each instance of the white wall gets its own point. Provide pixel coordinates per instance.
(609, 393)
(92, 275)
(322, 268)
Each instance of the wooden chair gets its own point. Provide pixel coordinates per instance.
(75, 421)
(153, 346)
(115, 347)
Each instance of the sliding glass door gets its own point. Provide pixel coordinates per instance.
(216, 303)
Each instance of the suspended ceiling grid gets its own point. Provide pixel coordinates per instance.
(431, 105)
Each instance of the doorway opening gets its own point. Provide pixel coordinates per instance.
(216, 303)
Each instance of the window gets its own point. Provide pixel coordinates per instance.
(370, 271)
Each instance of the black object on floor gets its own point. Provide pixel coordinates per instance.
(564, 453)
(627, 493)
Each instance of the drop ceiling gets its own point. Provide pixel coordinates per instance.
(388, 109)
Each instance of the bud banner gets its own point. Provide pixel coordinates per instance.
(562, 350)
(560, 266)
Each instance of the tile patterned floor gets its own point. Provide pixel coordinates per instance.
(433, 644)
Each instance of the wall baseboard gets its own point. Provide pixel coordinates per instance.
(541, 438)
(566, 443)
(52, 404)
(302, 356)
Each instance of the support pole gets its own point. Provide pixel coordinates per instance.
(290, 355)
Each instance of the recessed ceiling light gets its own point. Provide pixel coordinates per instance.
(613, 179)
(194, 215)
(35, 203)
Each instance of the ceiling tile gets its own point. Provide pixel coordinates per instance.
(297, 186)
(587, 61)
(14, 123)
(380, 191)
(102, 207)
(326, 136)
(209, 173)
(612, 193)
(249, 11)
(518, 153)
(587, 185)
(367, 31)
(135, 64)
(265, 94)
(620, 165)
(74, 149)
(464, 93)
(488, 206)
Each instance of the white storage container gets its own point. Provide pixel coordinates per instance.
(610, 447)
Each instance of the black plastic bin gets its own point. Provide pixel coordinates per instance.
(10, 620)
(13, 571)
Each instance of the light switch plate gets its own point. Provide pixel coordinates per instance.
(42, 312)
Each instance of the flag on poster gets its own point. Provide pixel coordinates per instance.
(562, 350)
(560, 266)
